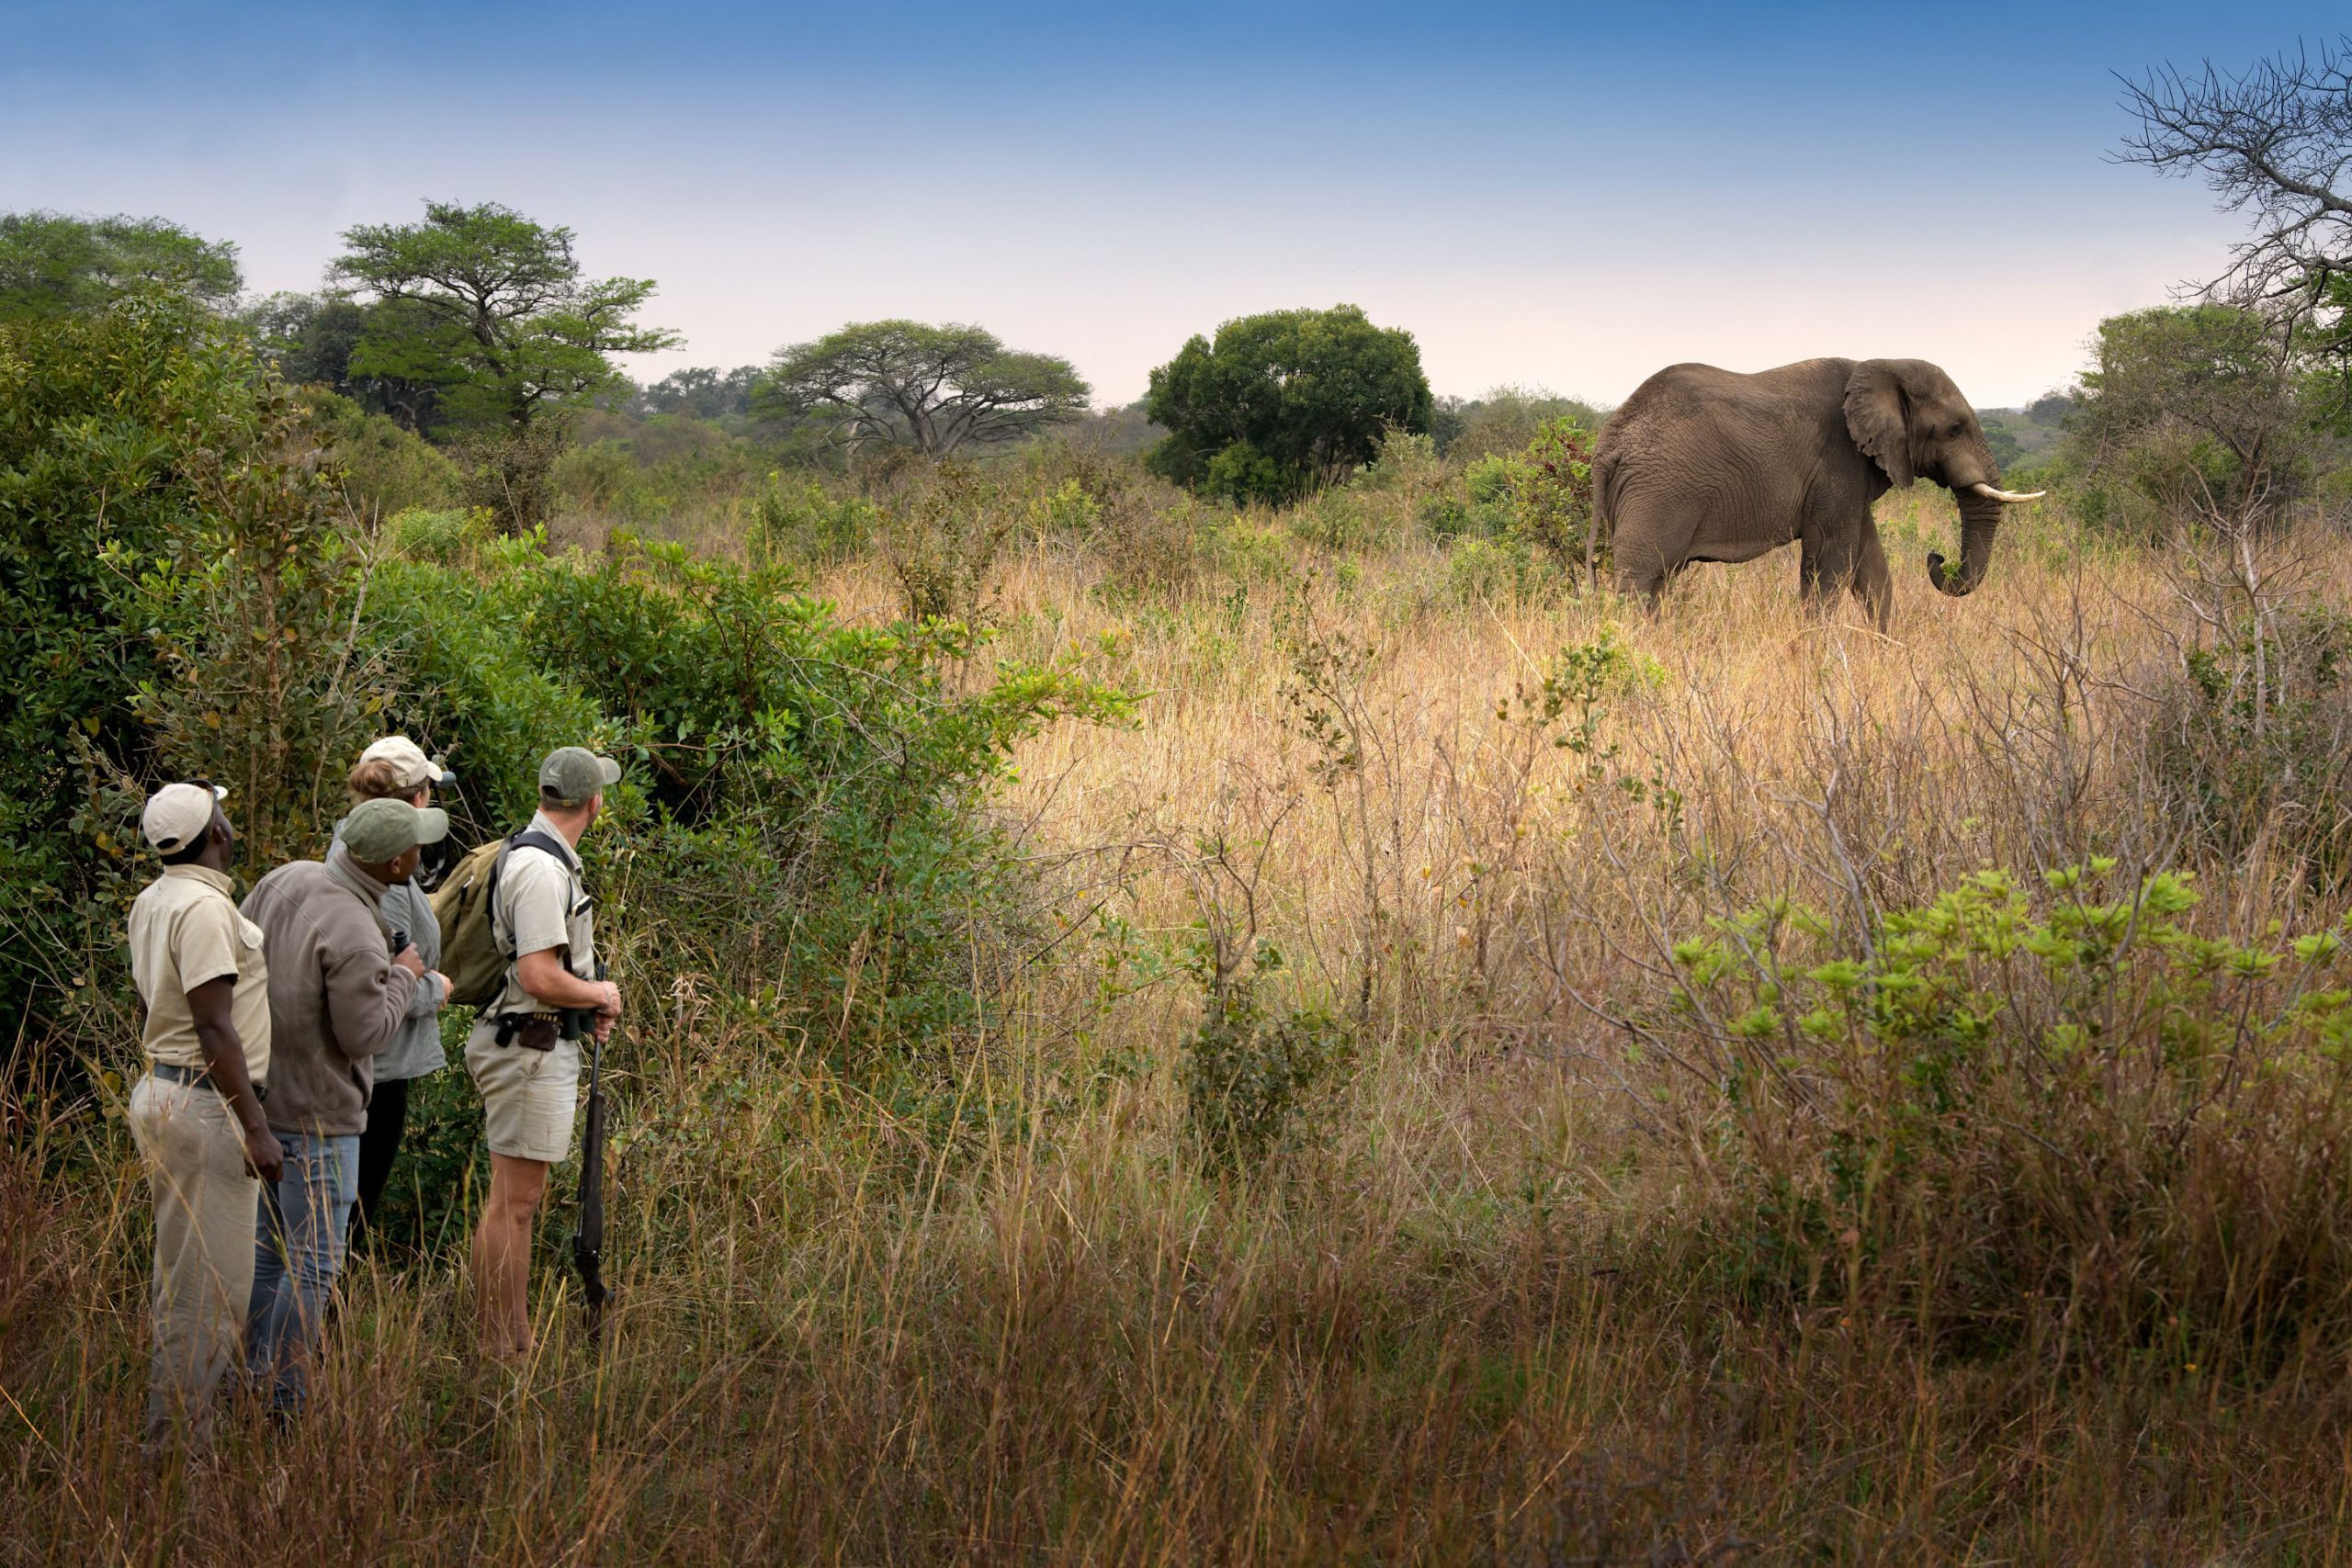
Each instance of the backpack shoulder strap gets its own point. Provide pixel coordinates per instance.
(529, 838)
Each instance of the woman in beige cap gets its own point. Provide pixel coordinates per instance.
(396, 768)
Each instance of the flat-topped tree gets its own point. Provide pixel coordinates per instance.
(935, 390)
(490, 308)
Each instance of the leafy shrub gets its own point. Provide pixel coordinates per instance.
(444, 537)
(170, 582)
(943, 535)
(386, 470)
(811, 782)
(805, 522)
(2250, 740)
(1253, 1077)
(1489, 568)
(1995, 1101)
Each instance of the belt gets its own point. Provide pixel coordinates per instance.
(195, 1077)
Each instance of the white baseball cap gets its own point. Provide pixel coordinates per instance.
(411, 767)
(178, 814)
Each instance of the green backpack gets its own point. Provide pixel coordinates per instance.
(470, 953)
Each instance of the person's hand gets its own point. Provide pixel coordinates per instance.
(604, 1021)
(609, 1004)
(437, 975)
(265, 1156)
(407, 959)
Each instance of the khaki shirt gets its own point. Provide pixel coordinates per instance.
(185, 930)
(541, 904)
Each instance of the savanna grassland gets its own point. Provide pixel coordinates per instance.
(1490, 1077)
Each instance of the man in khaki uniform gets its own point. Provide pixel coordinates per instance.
(528, 1074)
(197, 1113)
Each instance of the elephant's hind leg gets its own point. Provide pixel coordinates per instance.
(1873, 584)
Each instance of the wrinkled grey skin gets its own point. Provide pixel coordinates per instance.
(1707, 465)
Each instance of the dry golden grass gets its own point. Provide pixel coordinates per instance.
(1472, 1322)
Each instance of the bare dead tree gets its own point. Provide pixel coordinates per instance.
(2275, 142)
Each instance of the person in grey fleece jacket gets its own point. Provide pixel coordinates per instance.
(396, 768)
(337, 994)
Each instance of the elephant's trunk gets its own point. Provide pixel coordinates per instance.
(1979, 516)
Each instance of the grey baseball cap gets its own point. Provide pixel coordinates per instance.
(378, 831)
(572, 773)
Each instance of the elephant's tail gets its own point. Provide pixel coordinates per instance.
(1605, 472)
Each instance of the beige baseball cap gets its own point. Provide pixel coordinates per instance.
(411, 767)
(177, 815)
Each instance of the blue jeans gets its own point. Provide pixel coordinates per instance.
(298, 1241)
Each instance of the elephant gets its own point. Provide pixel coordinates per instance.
(1708, 465)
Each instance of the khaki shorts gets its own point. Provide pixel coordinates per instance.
(527, 1097)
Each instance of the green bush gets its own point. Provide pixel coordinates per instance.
(171, 599)
(386, 470)
(1254, 1077)
(1998, 1100)
(2251, 741)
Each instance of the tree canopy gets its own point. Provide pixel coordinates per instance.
(2200, 410)
(1284, 402)
(489, 310)
(51, 265)
(935, 390)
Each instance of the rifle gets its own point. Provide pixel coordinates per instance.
(588, 1241)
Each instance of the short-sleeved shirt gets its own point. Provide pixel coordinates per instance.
(542, 904)
(185, 930)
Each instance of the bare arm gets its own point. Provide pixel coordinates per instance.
(552, 986)
(224, 1061)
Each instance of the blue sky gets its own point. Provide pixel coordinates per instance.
(1554, 195)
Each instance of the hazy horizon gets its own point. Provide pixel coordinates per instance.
(1540, 196)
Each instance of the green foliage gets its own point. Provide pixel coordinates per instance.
(1253, 1077)
(2194, 415)
(1995, 1099)
(932, 390)
(812, 784)
(51, 265)
(803, 522)
(489, 308)
(171, 577)
(1504, 420)
(385, 468)
(2251, 741)
(1283, 403)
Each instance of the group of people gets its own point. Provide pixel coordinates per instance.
(282, 1035)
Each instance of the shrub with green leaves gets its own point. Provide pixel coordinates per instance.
(1253, 1074)
(2063, 1094)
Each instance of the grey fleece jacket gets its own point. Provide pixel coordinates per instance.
(335, 996)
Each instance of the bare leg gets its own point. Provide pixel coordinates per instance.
(502, 1255)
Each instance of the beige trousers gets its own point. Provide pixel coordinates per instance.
(205, 1206)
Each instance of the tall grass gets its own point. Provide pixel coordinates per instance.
(1494, 1310)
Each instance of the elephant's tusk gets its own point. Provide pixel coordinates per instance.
(2007, 496)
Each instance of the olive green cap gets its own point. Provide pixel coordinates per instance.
(574, 774)
(379, 831)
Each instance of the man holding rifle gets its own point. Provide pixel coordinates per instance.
(522, 1056)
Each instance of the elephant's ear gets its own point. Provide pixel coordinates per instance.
(1878, 417)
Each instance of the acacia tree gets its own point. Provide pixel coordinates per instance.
(489, 308)
(935, 390)
(1283, 402)
(51, 265)
(2274, 140)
